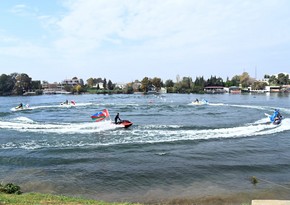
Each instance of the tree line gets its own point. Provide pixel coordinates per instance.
(20, 83)
(17, 84)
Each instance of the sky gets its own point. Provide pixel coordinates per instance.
(127, 40)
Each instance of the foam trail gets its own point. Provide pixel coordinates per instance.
(23, 124)
(136, 135)
(51, 106)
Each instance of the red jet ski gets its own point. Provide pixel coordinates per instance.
(125, 123)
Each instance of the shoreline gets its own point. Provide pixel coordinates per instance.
(152, 197)
(226, 199)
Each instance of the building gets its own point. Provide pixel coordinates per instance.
(121, 85)
(99, 85)
(71, 82)
(233, 90)
(214, 89)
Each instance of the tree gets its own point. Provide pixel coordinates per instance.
(110, 85)
(266, 76)
(259, 85)
(105, 84)
(144, 84)
(199, 81)
(98, 80)
(90, 82)
(6, 84)
(36, 85)
(198, 85)
(128, 89)
(245, 80)
(214, 81)
(81, 82)
(169, 83)
(236, 80)
(283, 79)
(23, 84)
(67, 88)
(157, 83)
(273, 80)
(78, 89)
(186, 83)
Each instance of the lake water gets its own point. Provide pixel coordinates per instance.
(174, 153)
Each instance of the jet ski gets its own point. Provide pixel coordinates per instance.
(22, 107)
(276, 117)
(277, 121)
(125, 123)
(201, 102)
(68, 104)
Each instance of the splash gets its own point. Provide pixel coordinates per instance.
(106, 133)
(23, 124)
(52, 106)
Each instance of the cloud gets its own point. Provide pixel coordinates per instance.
(23, 10)
(166, 24)
(151, 36)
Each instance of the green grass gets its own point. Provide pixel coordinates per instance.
(49, 199)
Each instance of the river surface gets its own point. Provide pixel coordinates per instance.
(175, 151)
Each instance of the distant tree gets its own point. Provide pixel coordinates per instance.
(199, 82)
(228, 83)
(169, 83)
(23, 84)
(257, 85)
(186, 83)
(157, 83)
(245, 80)
(81, 82)
(110, 85)
(78, 89)
(214, 81)
(145, 84)
(266, 76)
(68, 88)
(178, 87)
(198, 85)
(98, 80)
(128, 89)
(36, 85)
(273, 80)
(90, 82)
(105, 84)
(283, 79)
(236, 80)
(6, 84)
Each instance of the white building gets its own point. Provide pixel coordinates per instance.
(71, 82)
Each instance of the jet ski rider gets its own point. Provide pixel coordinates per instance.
(117, 118)
(20, 106)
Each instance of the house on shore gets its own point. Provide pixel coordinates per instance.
(233, 90)
(214, 89)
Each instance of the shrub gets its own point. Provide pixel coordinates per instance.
(10, 189)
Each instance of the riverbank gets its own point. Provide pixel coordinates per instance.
(37, 198)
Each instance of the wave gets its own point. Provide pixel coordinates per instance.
(23, 124)
(106, 133)
(52, 106)
(256, 107)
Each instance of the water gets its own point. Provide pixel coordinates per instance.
(174, 151)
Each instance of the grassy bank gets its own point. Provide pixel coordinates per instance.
(40, 199)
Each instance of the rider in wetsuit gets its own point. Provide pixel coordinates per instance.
(20, 106)
(117, 118)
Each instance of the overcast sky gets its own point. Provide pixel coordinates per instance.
(125, 40)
